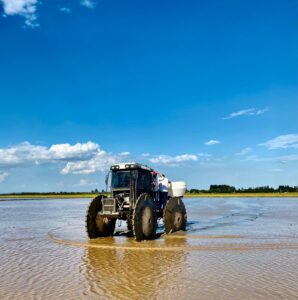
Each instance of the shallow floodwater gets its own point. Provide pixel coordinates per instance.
(233, 249)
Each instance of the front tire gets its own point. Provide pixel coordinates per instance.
(144, 220)
(97, 225)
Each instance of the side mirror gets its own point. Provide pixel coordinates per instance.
(107, 180)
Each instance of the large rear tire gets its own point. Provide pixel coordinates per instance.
(174, 215)
(97, 225)
(144, 220)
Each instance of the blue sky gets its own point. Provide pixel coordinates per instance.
(203, 91)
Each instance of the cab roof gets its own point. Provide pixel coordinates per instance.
(130, 166)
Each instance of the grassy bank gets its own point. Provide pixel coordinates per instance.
(242, 195)
(202, 195)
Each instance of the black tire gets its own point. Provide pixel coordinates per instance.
(96, 225)
(174, 215)
(144, 220)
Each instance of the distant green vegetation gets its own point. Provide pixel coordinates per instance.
(227, 189)
(215, 191)
(64, 195)
(242, 195)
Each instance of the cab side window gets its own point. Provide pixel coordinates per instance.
(144, 182)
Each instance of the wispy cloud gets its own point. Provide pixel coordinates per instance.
(85, 182)
(24, 8)
(88, 3)
(245, 151)
(66, 10)
(275, 170)
(3, 176)
(212, 142)
(145, 154)
(173, 161)
(246, 112)
(125, 153)
(281, 159)
(204, 155)
(282, 142)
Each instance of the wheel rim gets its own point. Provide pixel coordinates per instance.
(174, 215)
(147, 222)
(178, 220)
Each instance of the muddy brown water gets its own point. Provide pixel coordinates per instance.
(233, 249)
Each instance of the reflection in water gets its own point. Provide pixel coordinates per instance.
(133, 274)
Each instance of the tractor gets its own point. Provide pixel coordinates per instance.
(133, 200)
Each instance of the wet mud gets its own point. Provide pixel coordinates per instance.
(232, 249)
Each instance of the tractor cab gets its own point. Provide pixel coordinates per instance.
(130, 180)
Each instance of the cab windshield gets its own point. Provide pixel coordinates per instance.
(121, 179)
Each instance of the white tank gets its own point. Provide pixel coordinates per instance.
(177, 189)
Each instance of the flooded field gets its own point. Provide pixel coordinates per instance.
(233, 249)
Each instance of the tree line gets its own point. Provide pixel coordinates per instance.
(224, 188)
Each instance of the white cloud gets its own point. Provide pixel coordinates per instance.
(282, 142)
(125, 153)
(25, 153)
(173, 160)
(212, 142)
(77, 151)
(88, 3)
(100, 162)
(246, 112)
(22, 154)
(185, 157)
(81, 158)
(245, 151)
(3, 176)
(24, 8)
